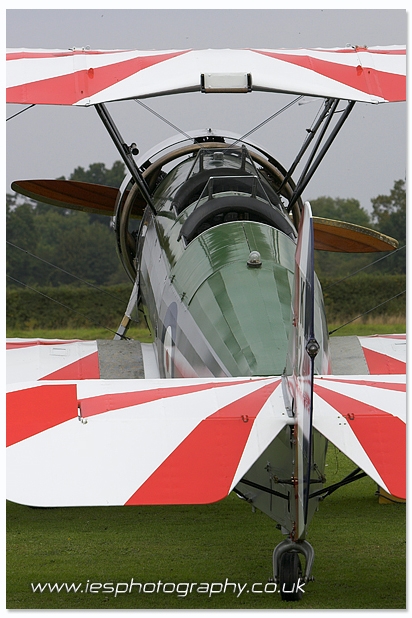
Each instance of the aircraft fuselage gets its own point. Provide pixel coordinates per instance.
(216, 263)
(212, 310)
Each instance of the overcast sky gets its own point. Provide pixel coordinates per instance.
(365, 160)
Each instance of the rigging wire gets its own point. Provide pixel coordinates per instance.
(261, 124)
(20, 112)
(366, 312)
(162, 118)
(363, 268)
(64, 271)
(67, 307)
(283, 109)
(354, 273)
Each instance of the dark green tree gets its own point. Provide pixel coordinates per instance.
(340, 209)
(100, 175)
(19, 232)
(389, 216)
(82, 244)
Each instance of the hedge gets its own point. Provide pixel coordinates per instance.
(82, 306)
(66, 307)
(359, 294)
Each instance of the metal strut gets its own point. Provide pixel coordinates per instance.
(125, 152)
(265, 489)
(311, 134)
(310, 167)
(355, 475)
(132, 304)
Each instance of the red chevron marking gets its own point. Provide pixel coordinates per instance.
(382, 436)
(201, 469)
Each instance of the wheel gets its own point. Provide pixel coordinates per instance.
(290, 577)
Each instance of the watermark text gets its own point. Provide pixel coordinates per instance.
(181, 589)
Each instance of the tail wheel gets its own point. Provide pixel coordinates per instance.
(290, 577)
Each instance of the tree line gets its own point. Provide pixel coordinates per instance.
(51, 246)
(388, 216)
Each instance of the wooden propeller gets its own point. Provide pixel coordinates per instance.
(343, 237)
(89, 197)
(330, 235)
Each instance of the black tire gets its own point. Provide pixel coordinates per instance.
(290, 577)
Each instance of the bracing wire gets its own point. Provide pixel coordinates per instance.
(256, 128)
(20, 112)
(162, 118)
(363, 268)
(64, 271)
(271, 117)
(366, 312)
(67, 307)
(355, 273)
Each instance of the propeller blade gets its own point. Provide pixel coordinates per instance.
(98, 199)
(343, 237)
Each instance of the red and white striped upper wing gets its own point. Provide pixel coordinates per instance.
(365, 417)
(108, 442)
(86, 77)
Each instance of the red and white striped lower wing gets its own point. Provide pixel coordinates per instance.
(48, 359)
(385, 353)
(116, 442)
(365, 417)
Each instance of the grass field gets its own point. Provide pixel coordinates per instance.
(360, 550)
(359, 547)
(369, 327)
(135, 332)
(390, 325)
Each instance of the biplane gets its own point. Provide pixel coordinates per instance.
(241, 389)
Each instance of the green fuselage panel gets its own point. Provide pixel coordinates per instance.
(243, 312)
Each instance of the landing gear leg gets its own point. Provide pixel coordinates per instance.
(125, 323)
(287, 568)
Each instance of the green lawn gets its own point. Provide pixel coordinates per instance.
(390, 327)
(360, 548)
(143, 335)
(135, 332)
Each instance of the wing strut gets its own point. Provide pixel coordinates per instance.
(127, 318)
(312, 165)
(125, 152)
(311, 134)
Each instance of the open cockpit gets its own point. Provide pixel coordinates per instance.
(223, 185)
(196, 186)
